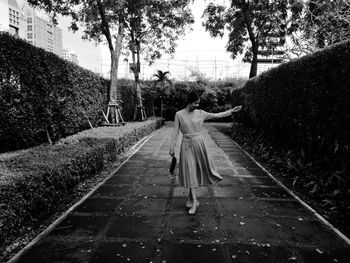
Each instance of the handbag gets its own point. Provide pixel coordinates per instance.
(172, 165)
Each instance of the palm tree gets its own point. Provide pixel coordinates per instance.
(162, 78)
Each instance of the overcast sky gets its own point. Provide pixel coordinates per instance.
(197, 51)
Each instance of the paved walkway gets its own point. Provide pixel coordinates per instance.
(138, 215)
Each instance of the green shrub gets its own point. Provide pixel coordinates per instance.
(302, 108)
(305, 103)
(34, 182)
(42, 94)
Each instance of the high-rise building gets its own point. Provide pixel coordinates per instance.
(40, 31)
(70, 55)
(33, 25)
(10, 17)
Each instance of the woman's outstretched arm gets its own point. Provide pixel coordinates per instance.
(175, 134)
(208, 115)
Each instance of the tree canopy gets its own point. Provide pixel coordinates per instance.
(262, 23)
(148, 26)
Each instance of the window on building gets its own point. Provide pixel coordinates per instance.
(30, 35)
(29, 20)
(30, 28)
(13, 31)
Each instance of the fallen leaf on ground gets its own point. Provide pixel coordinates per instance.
(319, 251)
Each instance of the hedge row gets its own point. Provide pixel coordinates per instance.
(34, 182)
(214, 96)
(303, 104)
(44, 97)
(42, 94)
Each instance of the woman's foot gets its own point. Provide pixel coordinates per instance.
(192, 211)
(189, 203)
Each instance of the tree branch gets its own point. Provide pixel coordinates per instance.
(105, 26)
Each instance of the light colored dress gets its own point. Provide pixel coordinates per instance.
(196, 167)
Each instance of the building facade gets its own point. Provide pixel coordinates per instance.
(22, 20)
(10, 17)
(40, 32)
(70, 55)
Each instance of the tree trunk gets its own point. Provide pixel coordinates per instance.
(254, 65)
(161, 108)
(136, 61)
(113, 98)
(138, 85)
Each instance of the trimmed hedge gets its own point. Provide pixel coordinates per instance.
(34, 182)
(41, 93)
(303, 104)
(214, 96)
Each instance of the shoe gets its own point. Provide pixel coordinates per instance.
(192, 211)
(188, 203)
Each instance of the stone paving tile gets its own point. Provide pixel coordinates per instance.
(270, 192)
(310, 232)
(318, 255)
(102, 205)
(118, 179)
(113, 252)
(229, 207)
(59, 250)
(251, 171)
(227, 171)
(198, 228)
(77, 225)
(245, 229)
(255, 252)
(285, 208)
(113, 190)
(259, 180)
(179, 191)
(193, 253)
(157, 171)
(138, 226)
(143, 206)
(123, 171)
(231, 192)
(150, 191)
(156, 180)
(231, 181)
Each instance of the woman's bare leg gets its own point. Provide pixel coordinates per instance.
(195, 202)
(189, 201)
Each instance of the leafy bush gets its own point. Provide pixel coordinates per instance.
(42, 95)
(34, 182)
(302, 108)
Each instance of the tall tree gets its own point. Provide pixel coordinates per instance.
(162, 79)
(321, 23)
(149, 26)
(326, 22)
(153, 28)
(256, 21)
(102, 20)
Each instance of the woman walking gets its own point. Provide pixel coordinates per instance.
(195, 165)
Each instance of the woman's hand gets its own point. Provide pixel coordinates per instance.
(237, 108)
(171, 151)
